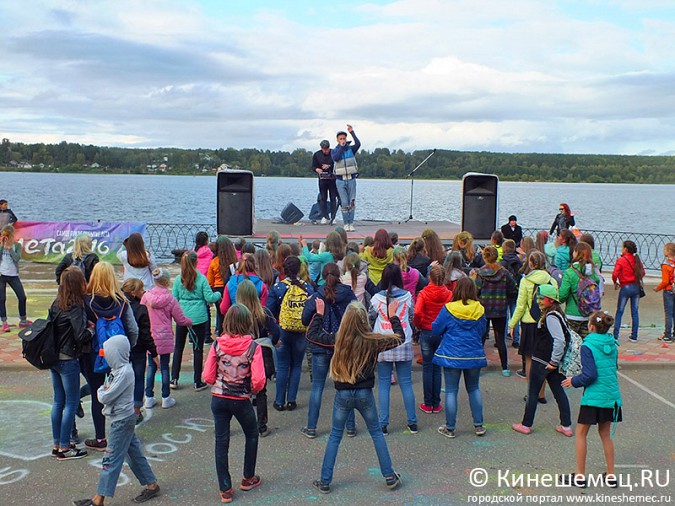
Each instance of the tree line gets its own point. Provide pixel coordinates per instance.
(379, 163)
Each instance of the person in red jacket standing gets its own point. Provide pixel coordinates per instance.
(429, 303)
(627, 278)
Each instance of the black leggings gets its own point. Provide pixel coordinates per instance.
(198, 350)
(499, 327)
(94, 380)
(15, 284)
(326, 187)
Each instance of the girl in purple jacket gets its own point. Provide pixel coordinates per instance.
(162, 308)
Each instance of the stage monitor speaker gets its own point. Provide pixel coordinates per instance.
(236, 211)
(479, 204)
(291, 214)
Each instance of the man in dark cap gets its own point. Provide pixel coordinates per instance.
(512, 230)
(346, 172)
(322, 164)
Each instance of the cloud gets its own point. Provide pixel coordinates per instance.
(523, 76)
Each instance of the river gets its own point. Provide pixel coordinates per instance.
(192, 199)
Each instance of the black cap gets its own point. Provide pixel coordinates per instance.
(341, 132)
(513, 218)
(324, 144)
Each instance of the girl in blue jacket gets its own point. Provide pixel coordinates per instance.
(461, 323)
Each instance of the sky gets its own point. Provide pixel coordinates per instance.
(550, 76)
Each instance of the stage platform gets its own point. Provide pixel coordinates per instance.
(406, 231)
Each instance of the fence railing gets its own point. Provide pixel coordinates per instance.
(163, 238)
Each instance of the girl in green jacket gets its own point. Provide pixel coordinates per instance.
(601, 400)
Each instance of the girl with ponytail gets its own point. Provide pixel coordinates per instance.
(627, 278)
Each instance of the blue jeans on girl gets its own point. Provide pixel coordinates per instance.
(223, 410)
(320, 368)
(15, 284)
(404, 375)
(152, 370)
(346, 401)
(289, 365)
(137, 359)
(669, 310)
(94, 380)
(431, 373)
(626, 293)
(66, 382)
(471, 382)
(123, 443)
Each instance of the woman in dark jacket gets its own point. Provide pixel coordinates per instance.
(82, 257)
(71, 335)
(564, 219)
(133, 289)
(336, 297)
(472, 257)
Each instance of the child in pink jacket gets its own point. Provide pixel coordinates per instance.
(162, 308)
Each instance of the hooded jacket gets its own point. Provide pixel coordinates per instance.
(525, 293)
(513, 263)
(421, 263)
(193, 303)
(413, 281)
(494, 288)
(117, 392)
(322, 259)
(107, 307)
(230, 292)
(162, 307)
(204, 257)
(429, 303)
(667, 275)
(462, 328)
(332, 312)
(599, 356)
(568, 289)
(375, 264)
(235, 367)
(363, 285)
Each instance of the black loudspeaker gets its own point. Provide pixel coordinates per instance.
(291, 214)
(479, 204)
(236, 212)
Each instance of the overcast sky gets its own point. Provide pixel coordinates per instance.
(561, 76)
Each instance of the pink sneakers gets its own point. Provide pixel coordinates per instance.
(426, 409)
(25, 323)
(519, 427)
(564, 431)
(5, 327)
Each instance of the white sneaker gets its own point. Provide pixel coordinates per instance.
(351, 227)
(168, 402)
(324, 221)
(348, 227)
(150, 402)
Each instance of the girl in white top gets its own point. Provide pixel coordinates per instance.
(138, 262)
(10, 253)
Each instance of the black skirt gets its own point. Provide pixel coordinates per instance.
(528, 333)
(590, 415)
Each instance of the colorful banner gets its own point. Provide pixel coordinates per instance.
(49, 241)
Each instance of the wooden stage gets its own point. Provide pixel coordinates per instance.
(406, 231)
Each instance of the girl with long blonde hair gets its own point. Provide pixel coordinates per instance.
(352, 369)
(82, 256)
(104, 299)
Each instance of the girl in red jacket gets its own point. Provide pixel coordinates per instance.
(235, 369)
(627, 278)
(666, 284)
(429, 303)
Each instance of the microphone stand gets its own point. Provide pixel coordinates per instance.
(412, 182)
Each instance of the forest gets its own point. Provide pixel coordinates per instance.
(379, 163)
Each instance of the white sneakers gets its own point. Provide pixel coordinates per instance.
(168, 402)
(324, 221)
(349, 227)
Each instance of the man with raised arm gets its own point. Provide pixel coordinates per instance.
(346, 171)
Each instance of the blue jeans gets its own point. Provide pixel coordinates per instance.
(123, 442)
(431, 373)
(626, 293)
(66, 383)
(471, 382)
(516, 330)
(669, 310)
(15, 284)
(223, 410)
(346, 401)
(289, 365)
(347, 192)
(320, 368)
(138, 365)
(166, 377)
(404, 375)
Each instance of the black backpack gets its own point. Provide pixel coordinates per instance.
(39, 345)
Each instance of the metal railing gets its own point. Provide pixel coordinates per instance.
(162, 238)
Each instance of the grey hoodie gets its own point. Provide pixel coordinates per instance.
(117, 393)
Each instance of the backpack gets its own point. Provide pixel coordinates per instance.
(555, 273)
(39, 345)
(589, 298)
(105, 328)
(78, 262)
(290, 314)
(535, 311)
(331, 319)
(570, 365)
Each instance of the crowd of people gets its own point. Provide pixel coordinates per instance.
(356, 312)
